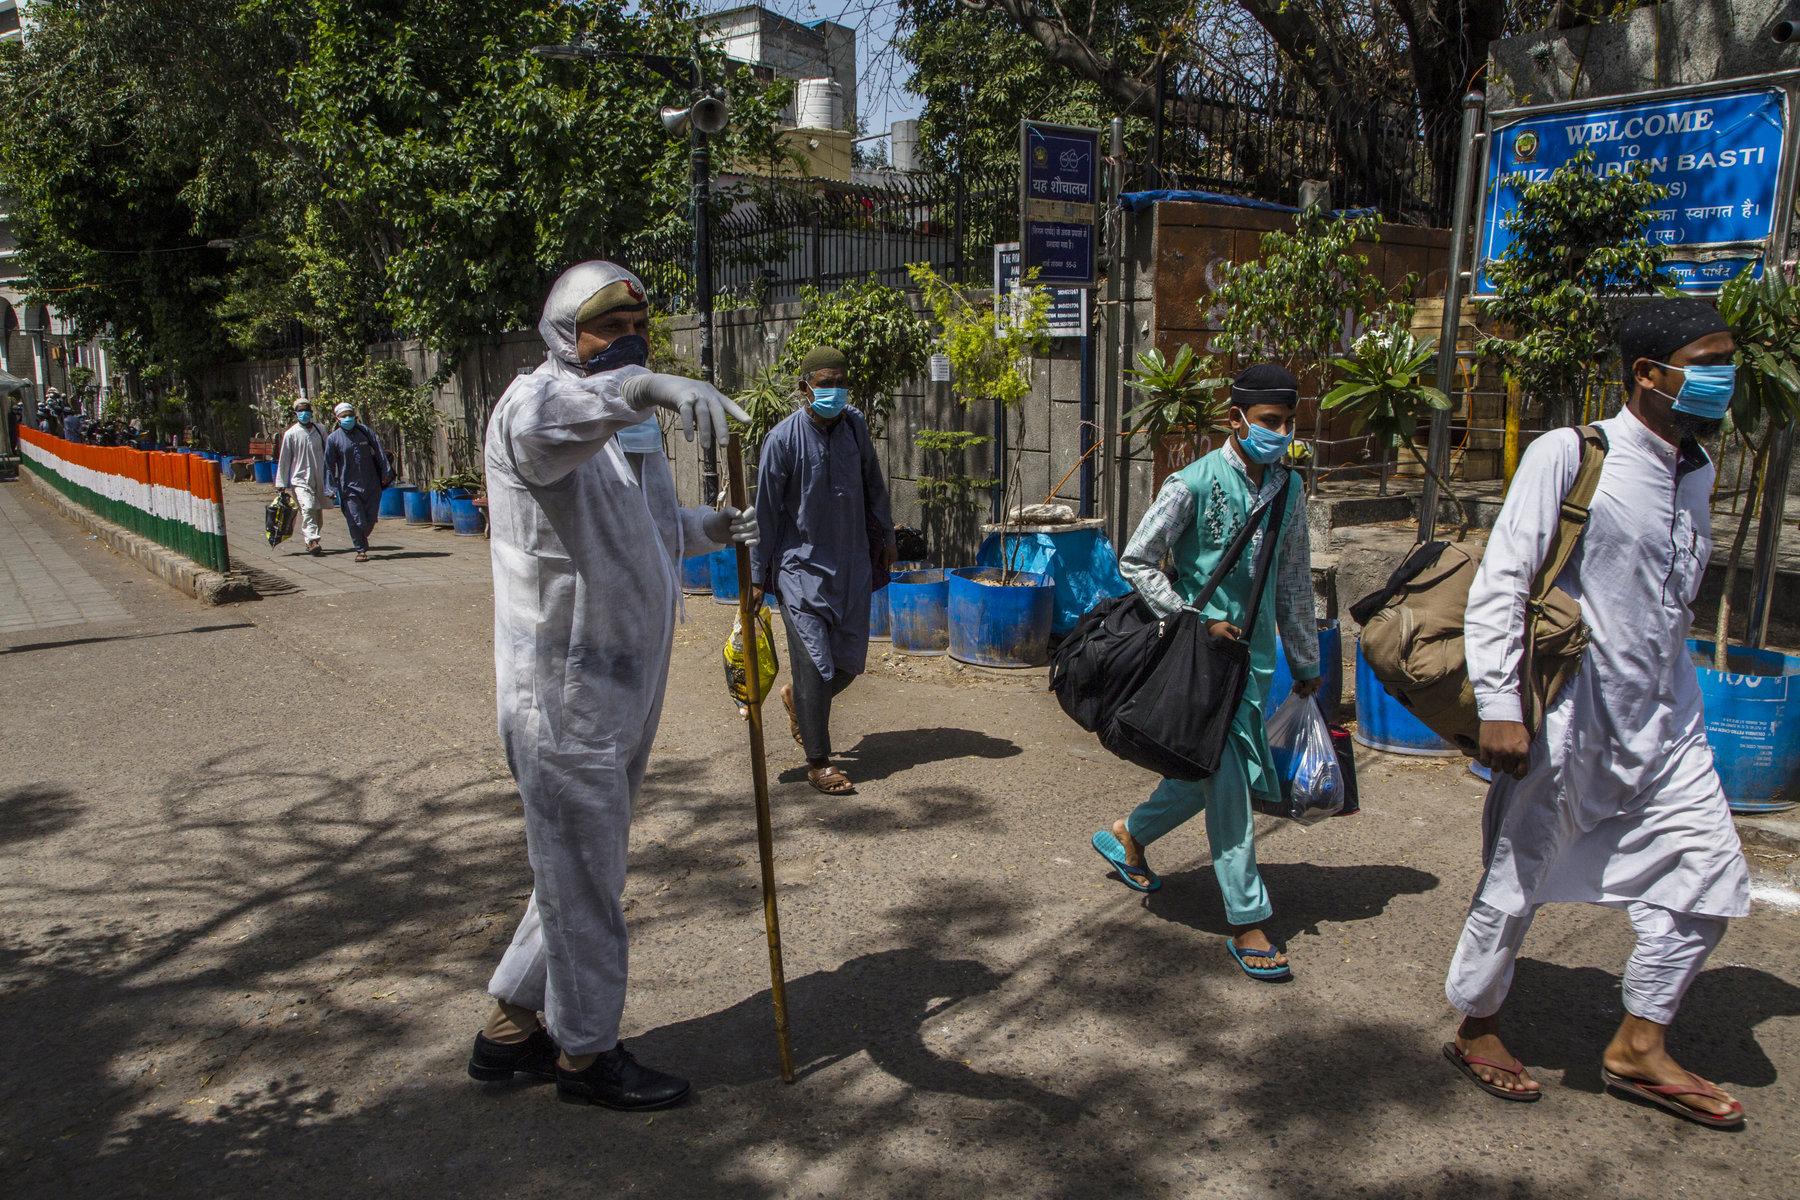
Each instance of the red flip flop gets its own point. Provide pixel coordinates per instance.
(1663, 1096)
(1466, 1063)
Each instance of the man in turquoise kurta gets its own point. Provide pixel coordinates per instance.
(1195, 516)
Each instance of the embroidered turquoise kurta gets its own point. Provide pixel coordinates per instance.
(1223, 501)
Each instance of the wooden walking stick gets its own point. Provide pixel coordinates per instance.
(759, 767)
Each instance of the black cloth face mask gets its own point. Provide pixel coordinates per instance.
(632, 350)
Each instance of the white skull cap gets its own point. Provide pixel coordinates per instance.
(570, 291)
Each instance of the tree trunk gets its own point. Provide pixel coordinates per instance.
(1722, 626)
(1462, 512)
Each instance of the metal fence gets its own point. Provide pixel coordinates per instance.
(1264, 142)
(771, 240)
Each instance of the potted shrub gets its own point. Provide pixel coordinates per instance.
(1381, 385)
(998, 616)
(1752, 703)
(1182, 410)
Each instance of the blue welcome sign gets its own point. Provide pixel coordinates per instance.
(1720, 156)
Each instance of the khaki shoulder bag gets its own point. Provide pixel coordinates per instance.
(1412, 628)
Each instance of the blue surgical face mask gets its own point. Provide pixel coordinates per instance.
(632, 350)
(347, 422)
(643, 438)
(1706, 391)
(829, 402)
(304, 417)
(1262, 444)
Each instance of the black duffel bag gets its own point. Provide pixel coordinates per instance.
(1176, 714)
(1108, 653)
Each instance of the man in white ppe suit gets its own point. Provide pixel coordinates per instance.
(1615, 801)
(587, 542)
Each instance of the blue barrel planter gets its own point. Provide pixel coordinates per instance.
(696, 574)
(1000, 626)
(393, 500)
(1485, 774)
(264, 471)
(225, 461)
(919, 611)
(723, 568)
(465, 518)
(1077, 560)
(1753, 725)
(1331, 665)
(440, 506)
(880, 617)
(418, 506)
(1382, 722)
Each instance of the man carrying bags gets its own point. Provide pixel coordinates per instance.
(1196, 520)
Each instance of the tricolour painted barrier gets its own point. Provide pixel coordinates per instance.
(171, 499)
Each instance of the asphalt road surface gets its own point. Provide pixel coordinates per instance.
(258, 861)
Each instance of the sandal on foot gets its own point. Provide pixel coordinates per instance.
(1466, 1063)
(831, 781)
(1113, 851)
(787, 702)
(1274, 974)
(1663, 1095)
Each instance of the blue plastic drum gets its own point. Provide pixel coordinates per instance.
(393, 501)
(919, 611)
(1753, 725)
(418, 506)
(880, 619)
(467, 520)
(696, 574)
(1077, 561)
(1382, 722)
(263, 471)
(723, 570)
(996, 625)
(1331, 666)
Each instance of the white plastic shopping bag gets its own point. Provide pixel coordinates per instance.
(1312, 783)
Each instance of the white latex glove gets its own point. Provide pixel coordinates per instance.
(728, 526)
(700, 405)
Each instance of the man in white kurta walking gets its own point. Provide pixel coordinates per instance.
(300, 470)
(586, 539)
(1615, 801)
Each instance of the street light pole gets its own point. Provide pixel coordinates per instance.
(700, 159)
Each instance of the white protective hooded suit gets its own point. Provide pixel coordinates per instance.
(587, 542)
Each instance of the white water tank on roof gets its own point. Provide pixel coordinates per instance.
(819, 104)
(903, 146)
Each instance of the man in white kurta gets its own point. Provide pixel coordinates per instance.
(1616, 801)
(300, 470)
(586, 541)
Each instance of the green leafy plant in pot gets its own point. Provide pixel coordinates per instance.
(1381, 384)
(1183, 406)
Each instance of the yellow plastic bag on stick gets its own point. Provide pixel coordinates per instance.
(736, 676)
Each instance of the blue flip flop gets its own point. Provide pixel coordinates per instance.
(1108, 847)
(1263, 974)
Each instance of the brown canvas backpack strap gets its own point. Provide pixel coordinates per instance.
(1577, 503)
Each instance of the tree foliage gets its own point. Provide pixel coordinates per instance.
(400, 166)
(1578, 239)
(886, 342)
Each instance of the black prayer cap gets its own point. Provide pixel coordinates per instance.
(1656, 329)
(1265, 383)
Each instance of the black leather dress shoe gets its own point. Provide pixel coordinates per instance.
(617, 1080)
(535, 1057)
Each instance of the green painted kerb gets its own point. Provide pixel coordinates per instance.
(206, 549)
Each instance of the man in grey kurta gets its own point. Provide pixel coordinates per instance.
(820, 497)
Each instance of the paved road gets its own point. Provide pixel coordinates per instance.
(259, 860)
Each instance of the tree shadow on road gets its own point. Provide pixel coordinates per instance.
(36, 810)
(878, 756)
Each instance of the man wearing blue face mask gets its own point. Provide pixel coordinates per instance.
(1192, 522)
(356, 469)
(827, 535)
(1615, 800)
(300, 470)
